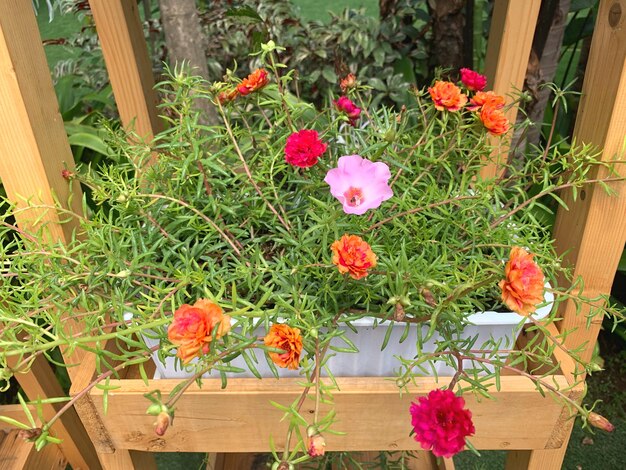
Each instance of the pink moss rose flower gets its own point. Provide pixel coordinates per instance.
(441, 423)
(473, 81)
(303, 148)
(359, 184)
(346, 106)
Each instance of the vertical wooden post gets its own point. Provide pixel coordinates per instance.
(593, 231)
(33, 152)
(548, 459)
(33, 144)
(128, 63)
(508, 50)
(40, 383)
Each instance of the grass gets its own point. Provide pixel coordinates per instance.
(318, 10)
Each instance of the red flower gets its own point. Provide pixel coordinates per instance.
(289, 340)
(473, 81)
(192, 328)
(441, 423)
(522, 288)
(447, 96)
(346, 106)
(303, 148)
(253, 82)
(353, 255)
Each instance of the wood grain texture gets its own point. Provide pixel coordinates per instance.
(128, 64)
(33, 145)
(17, 454)
(508, 50)
(39, 383)
(593, 231)
(551, 459)
(33, 152)
(369, 410)
(127, 460)
(15, 412)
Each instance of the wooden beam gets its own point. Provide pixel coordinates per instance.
(593, 231)
(15, 412)
(508, 50)
(40, 383)
(33, 145)
(551, 459)
(129, 65)
(518, 418)
(18, 454)
(33, 153)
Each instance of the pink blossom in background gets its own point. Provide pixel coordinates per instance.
(304, 148)
(440, 422)
(473, 81)
(346, 106)
(359, 184)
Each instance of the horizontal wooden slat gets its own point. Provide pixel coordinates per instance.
(17, 454)
(369, 410)
(15, 412)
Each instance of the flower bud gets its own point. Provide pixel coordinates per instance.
(390, 135)
(30, 434)
(154, 409)
(123, 274)
(162, 422)
(594, 367)
(269, 46)
(317, 445)
(429, 298)
(282, 466)
(600, 422)
(348, 82)
(398, 312)
(67, 174)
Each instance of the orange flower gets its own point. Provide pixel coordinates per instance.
(348, 82)
(288, 339)
(522, 289)
(353, 255)
(192, 328)
(253, 82)
(447, 96)
(486, 97)
(494, 119)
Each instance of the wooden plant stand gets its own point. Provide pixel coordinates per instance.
(535, 430)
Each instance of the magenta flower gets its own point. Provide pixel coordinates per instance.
(359, 184)
(473, 81)
(441, 423)
(346, 106)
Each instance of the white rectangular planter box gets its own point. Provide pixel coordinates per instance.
(370, 361)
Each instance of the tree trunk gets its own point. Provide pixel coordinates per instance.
(448, 20)
(185, 42)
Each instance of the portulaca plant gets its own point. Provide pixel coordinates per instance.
(266, 237)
